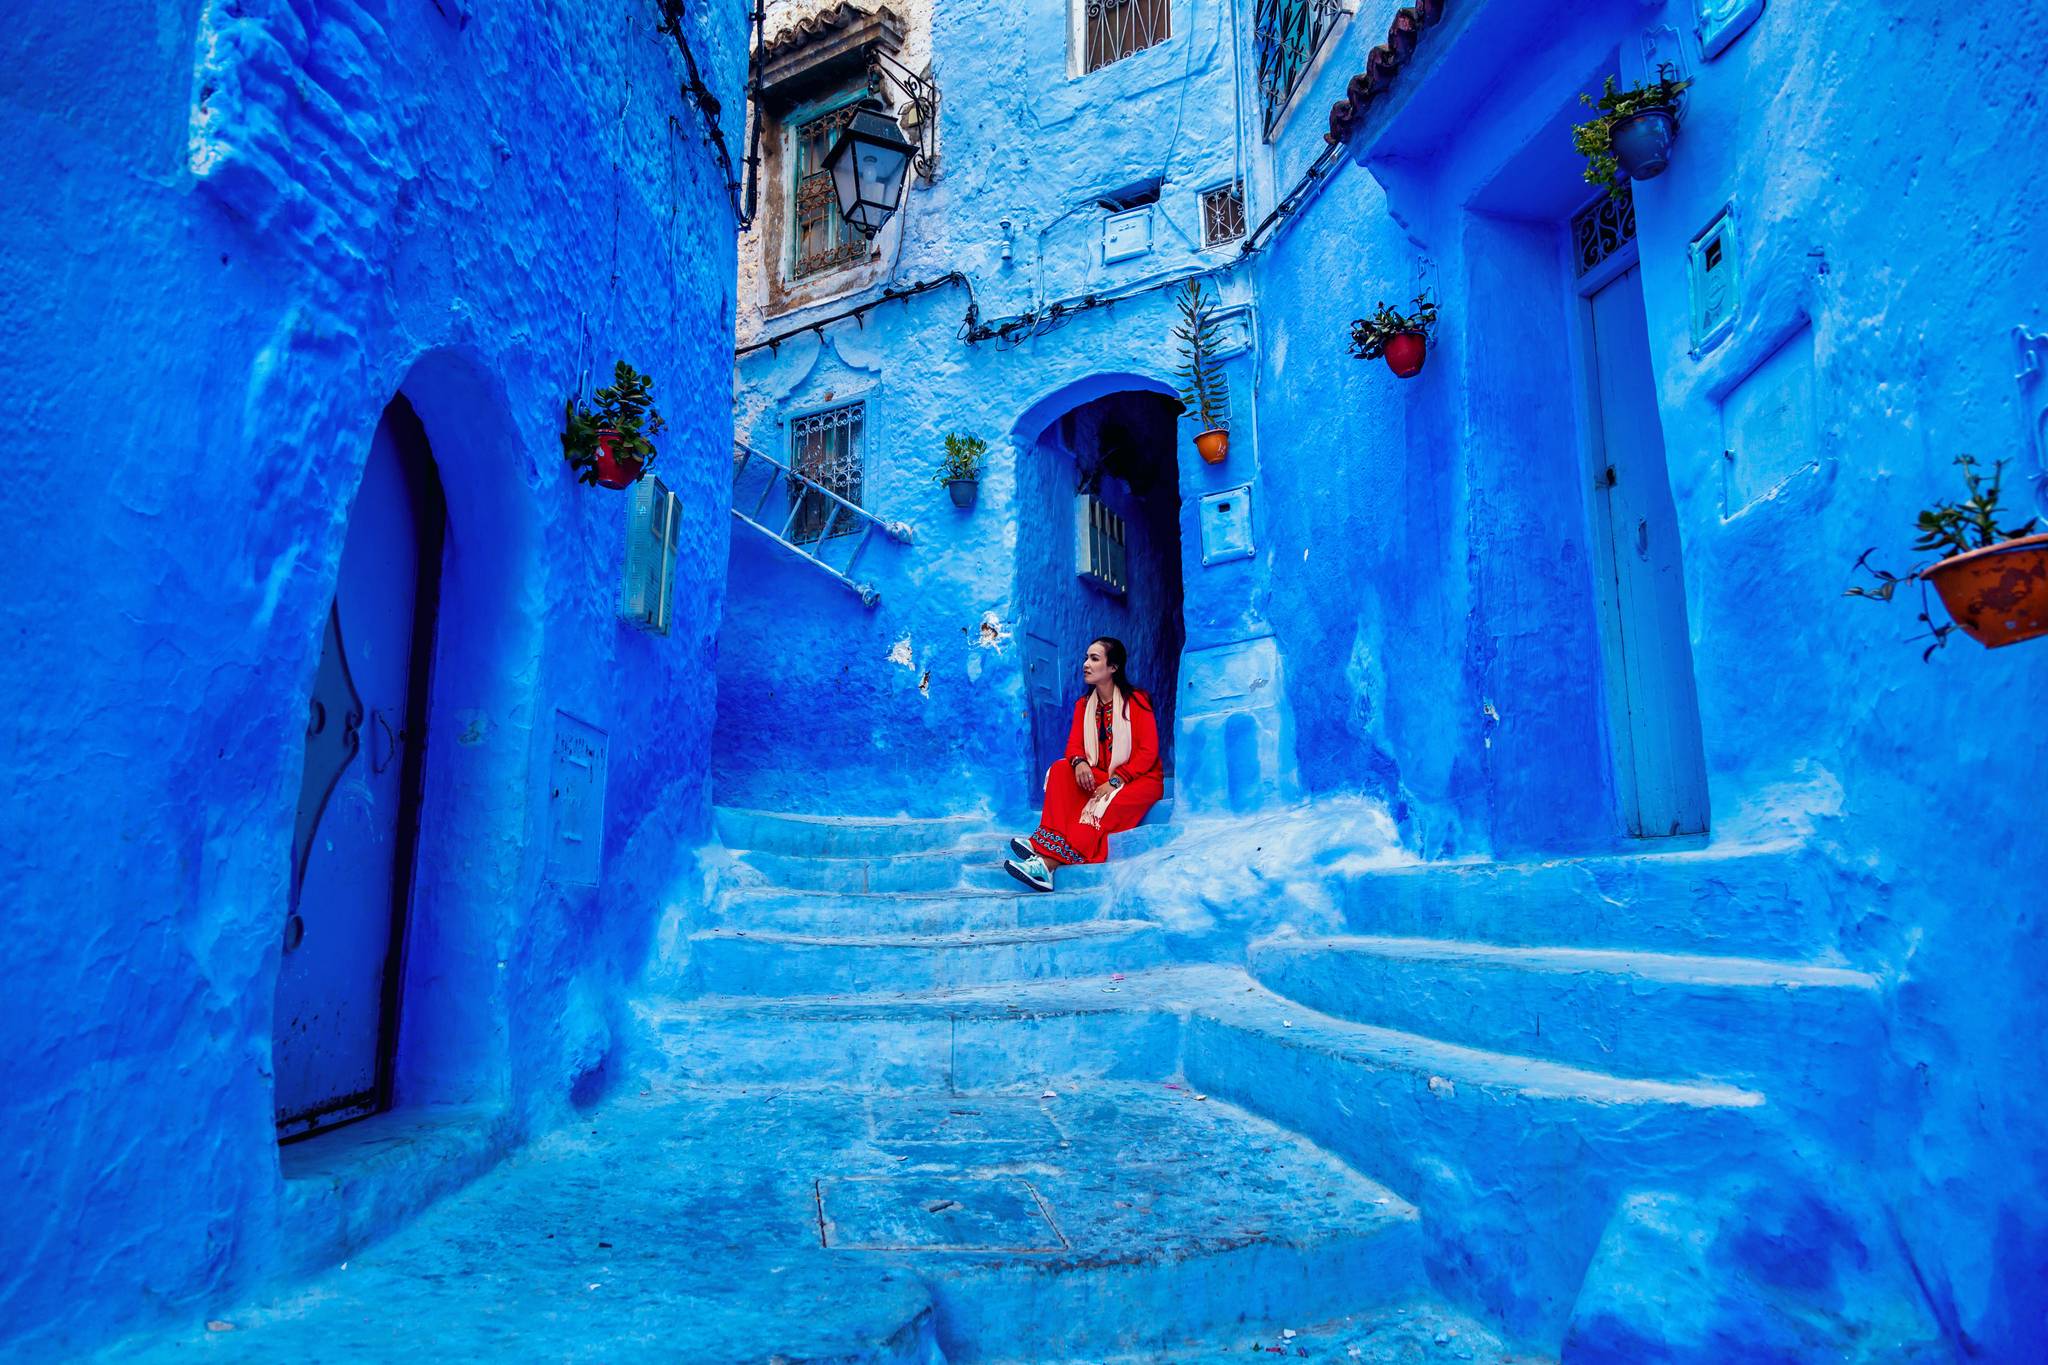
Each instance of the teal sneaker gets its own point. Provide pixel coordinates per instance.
(1021, 846)
(1031, 871)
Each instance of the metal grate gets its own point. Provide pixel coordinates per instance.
(1101, 549)
(824, 239)
(1223, 214)
(1114, 29)
(1603, 227)
(827, 449)
(1288, 34)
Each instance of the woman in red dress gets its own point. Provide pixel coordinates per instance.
(1107, 780)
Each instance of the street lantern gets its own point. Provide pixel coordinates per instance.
(869, 162)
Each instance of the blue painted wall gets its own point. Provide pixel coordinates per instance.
(234, 232)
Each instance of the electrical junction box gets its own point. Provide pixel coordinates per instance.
(1227, 524)
(576, 802)
(1712, 273)
(649, 580)
(1127, 234)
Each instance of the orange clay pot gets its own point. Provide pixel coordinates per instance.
(1214, 444)
(1999, 594)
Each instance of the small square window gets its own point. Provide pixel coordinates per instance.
(1111, 30)
(829, 450)
(1222, 214)
(1101, 553)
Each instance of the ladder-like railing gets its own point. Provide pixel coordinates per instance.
(830, 524)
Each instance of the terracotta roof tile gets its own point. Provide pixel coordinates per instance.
(1382, 64)
(839, 16)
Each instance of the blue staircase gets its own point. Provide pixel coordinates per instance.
(819, 527)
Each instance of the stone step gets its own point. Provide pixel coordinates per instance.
(1111, 1221)
(833, 836)
(900, 912)
(979, 867)
(1780, 1025)
(1020, 1039)
(1769, 901)
(770, 963)
(1516, 1163)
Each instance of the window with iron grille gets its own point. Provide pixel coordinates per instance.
(1223, 214)
(824, 239)
(1602, 228)
(1289, 32)
(827, 449)
(1112, 30)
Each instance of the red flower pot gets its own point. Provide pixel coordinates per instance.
(1999, 594)
(1404, 353)
(614, 470)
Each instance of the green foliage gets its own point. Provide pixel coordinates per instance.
(1947, 529)
(1201, 373)
(1369, 336)
(965, 456)
(624, 406)
(1595, 139)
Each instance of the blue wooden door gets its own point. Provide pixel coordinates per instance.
(1661, 766)
(1050, 719)
(337, 987)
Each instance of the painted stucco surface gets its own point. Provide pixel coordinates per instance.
(234, 232)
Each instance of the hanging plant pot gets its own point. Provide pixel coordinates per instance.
(1214, 444)
(1999, 594)
(615, 470)
(1405, 352)
(963, 491)
(1642, 141)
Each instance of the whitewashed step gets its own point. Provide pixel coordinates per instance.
(772, 963)
(833, 836)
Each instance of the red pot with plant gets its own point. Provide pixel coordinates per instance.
(1993, 580)
(608, 444)
(1401, 338)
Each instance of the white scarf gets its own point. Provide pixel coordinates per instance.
(1119, 751)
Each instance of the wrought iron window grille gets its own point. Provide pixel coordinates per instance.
(1112, 30)
(1289, 33)
(826, 449)
(1223, 214)
(1602, 228)
(824, 239)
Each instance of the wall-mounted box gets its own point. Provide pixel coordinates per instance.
(1713, 273)
(1227, 525)
(1127, 234)
(576, 802)
(648, 581)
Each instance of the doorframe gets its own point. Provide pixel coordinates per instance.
(430, 523)
(1606, 588)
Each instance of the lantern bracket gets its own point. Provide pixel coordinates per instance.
(920, 94)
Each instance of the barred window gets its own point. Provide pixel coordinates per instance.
(1223, 214)
(827, 449)
(1289, 32)
(824, 239)
(1112, 30)
(1603, 227)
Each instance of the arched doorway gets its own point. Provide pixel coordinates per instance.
(338, 989)
(1098, 553)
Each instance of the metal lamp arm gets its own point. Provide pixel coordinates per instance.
(921, 92)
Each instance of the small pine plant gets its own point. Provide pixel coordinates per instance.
(1595, 138)
(626, 406)
(965, 456)
(1201, 373)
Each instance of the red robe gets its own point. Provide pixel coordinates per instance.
(1061, 837)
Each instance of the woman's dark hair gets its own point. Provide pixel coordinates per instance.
(1114, 653)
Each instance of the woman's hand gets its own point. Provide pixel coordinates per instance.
(1084, 776)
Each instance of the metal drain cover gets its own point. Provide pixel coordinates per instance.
(934, 1213)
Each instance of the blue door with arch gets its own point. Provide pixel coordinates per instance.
(335, 1028)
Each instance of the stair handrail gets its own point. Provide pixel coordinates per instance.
(745, 455)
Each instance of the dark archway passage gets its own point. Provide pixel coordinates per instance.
(1099, 553)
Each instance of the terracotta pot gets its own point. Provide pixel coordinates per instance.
(1214, 444)
(613, 470)
(1642, 142)
(1404, 353)
(963, 491)
(1999, 594)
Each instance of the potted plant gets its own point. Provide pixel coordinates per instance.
(1201, 373)
(961, 469)
(1401, 338)
(609, 444)
(1634, 131)
(1993, 579)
